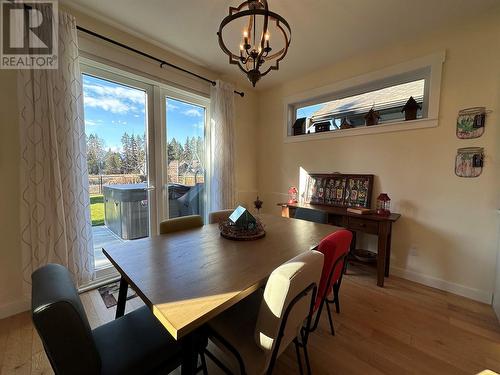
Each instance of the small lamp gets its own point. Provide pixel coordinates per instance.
(383, 205)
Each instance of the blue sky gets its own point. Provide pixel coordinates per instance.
(112, 109)
(308, 111)
(183, 120)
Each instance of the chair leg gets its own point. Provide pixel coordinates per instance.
(203, 366)
(330, 318)
(299, 360)
(336, 299)
(306, 356)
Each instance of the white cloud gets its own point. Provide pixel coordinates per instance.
(119, 122)
(192, 112)
(171, 106)
(113, 99)
(90, 122)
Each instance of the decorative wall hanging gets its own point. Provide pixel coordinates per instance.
(343, 190)
(471, 122)
(469, 161)
(260, 26)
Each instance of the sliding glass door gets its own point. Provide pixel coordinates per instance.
(117, 130)
(141, 134)
(185, 162)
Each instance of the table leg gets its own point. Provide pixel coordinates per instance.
(122, 298)
(353, 242)
(388, 252)
(284, 211)
(352, 249)
(190, 355)
(383, 235)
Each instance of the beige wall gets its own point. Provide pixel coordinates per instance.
(451, 221)
(11, 298)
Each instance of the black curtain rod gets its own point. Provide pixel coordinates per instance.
(162, 62)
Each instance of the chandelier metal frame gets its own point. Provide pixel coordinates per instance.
(252, 55)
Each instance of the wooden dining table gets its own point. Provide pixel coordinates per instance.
(187, 278)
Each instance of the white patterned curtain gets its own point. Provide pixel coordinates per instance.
(222, 183)
(55, 215)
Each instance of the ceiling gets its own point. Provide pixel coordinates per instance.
(323, 31)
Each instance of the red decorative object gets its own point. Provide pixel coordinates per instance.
(383, 205)
(292, 195)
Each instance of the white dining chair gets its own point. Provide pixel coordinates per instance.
(252, 334)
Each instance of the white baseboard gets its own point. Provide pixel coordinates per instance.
(14, 307)
(447, 286)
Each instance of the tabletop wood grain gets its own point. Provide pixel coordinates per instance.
(187, 278)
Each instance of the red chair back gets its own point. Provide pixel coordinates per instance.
(333, 247)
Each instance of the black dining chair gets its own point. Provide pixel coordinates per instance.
(311, 215)
(133, 344)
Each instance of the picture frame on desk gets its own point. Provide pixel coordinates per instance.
(339, 190)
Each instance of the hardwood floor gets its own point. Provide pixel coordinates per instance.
(404, 328)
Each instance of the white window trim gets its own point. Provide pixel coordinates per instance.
(432, 62)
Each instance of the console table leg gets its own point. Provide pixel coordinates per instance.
(383, 237)
(388, 252)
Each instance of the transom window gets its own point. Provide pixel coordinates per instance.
(388, 102)
(396, 98)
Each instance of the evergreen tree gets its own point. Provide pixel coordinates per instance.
(112, 163)
(141, 154)
(134, 154)
(95, 154)
(200, 151)
(126, 154)
(187, 154)
(170, 151)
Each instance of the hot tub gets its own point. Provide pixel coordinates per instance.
(126, 210)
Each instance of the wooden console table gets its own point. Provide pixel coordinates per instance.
(373, 224)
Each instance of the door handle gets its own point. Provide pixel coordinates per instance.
(149, 188)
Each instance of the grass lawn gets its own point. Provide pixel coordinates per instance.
(97, 209)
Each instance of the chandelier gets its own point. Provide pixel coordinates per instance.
(256, 56)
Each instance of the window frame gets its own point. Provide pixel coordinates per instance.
(427, 67)
(157, 91)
